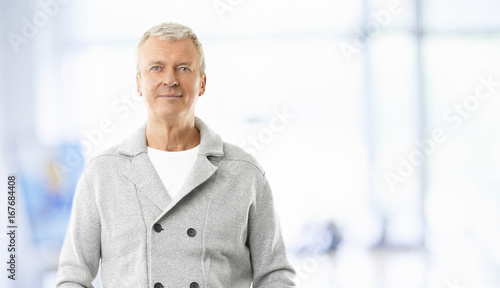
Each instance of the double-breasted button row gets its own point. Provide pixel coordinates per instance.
(192, 285)
(191, 232)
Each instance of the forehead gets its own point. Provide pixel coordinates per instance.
(157, 49)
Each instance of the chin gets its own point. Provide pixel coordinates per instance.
(169, 114)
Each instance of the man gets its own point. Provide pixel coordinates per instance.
(173, 205)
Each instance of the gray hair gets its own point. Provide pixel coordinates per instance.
(171, 31)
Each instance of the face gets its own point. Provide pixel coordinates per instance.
(170, 78)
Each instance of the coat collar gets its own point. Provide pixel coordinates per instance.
(142, 173)
(210, 142)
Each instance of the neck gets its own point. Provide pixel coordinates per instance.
(172, 134)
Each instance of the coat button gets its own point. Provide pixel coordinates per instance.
(194, 285)
(158, 285)
(191, 233)
(157, 227)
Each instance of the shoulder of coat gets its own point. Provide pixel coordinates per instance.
(235, 153)
(105, 158)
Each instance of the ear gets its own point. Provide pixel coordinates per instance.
(138, 82)
(203, 84)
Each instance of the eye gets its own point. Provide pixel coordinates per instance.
(155, 68)
(185, 69)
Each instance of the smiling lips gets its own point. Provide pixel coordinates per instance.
(170, 96)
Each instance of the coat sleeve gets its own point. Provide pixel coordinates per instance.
(81, 251)
(269, 261)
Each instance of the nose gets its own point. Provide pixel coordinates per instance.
(170, 78)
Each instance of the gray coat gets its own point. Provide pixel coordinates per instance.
(220, 231)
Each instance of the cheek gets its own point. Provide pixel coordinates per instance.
(150, 83)
(195, 85)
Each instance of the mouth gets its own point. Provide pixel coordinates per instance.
(170, 96)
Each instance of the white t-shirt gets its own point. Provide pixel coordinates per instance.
(173, 167)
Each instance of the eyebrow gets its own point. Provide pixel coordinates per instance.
(156, 62)
(185, 63)
(163, 63)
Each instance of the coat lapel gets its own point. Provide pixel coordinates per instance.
(202, 170)
(141, 171)
(143, 174)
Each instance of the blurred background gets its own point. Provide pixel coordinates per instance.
(377, 123)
